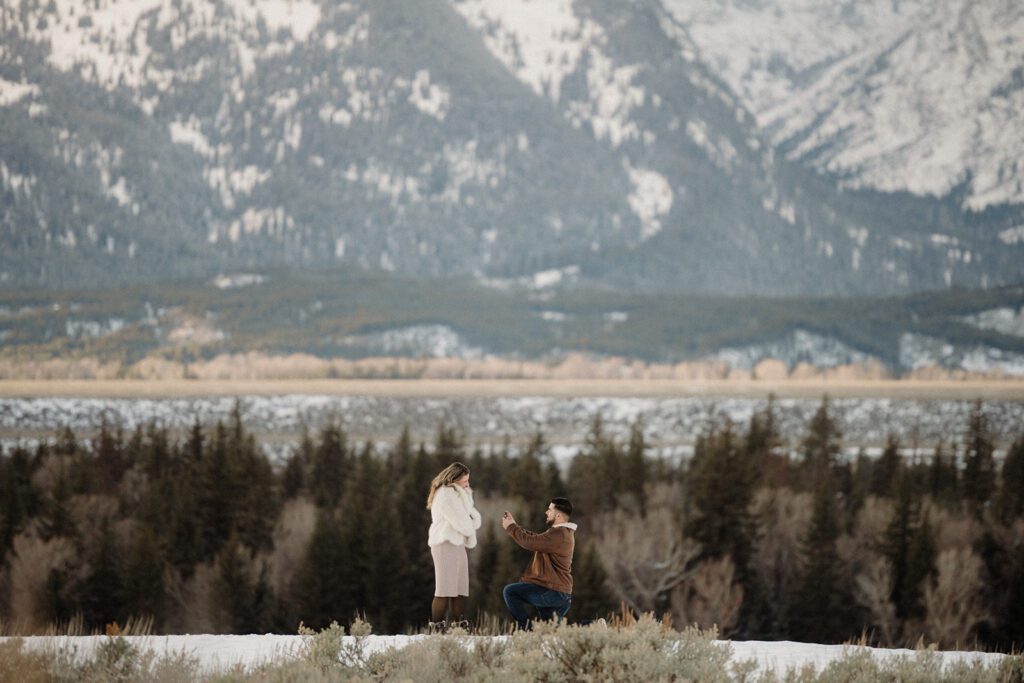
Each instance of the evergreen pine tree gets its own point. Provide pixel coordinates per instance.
(389, 583)
(1010, 505)
(322, 586)
(101, 597)
(57, 520)
(943, 477)
(508, 563)
(259, 504)
(820, 446)
(886, 469)
(721, 484)
(414, 522)
(979, 465)
(909, 547)
(635, 467)
(1011, 623)
(182, 526)
(242, 599)
(293, 479)
(482, 571)
(595, 474)
(762, 444)
(448, 447)
(591, 598)
(376, 559)
(527, 481)
(330, 464)
(11, 508)
(144, 587)
(107, 450)
(19, 499)
(863, 476)
(217, 495)
(820, 611)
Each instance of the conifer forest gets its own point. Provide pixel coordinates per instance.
(763, 537)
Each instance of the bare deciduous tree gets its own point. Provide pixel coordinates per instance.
(784, 517)
(33, 561)
(953, 605)
(291, 536)
(873, 590)
(644, 558)
(862, 544)
(709, 596)
(952, 530)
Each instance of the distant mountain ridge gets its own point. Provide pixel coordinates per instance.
(909, 95)
(495, 140)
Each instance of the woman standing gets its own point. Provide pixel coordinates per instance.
(454, 521)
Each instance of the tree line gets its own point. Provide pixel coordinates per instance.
(765, 539)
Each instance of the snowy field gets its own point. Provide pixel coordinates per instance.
(671, 425)
(222, 652)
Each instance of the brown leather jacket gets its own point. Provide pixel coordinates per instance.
(551, 566)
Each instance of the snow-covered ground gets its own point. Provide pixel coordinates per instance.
(221, 652)
(671, 425)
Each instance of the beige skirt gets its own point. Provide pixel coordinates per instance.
(451, 570)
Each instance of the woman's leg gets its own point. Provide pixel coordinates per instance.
(456, 608)
(437, 609)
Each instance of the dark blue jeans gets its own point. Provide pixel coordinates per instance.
(549, 603)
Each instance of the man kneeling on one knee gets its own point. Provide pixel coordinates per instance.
(547, 582)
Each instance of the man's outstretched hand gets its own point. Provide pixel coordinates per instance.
(507, 520)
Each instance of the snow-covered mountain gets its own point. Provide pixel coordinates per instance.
(648, 145)
(922, 96)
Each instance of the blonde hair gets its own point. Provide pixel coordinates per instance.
(446, 477)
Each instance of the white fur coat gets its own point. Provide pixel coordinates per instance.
(453, 517)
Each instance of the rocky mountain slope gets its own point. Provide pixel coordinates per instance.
(601, 142)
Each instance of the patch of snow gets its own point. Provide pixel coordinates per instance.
(268, 221)
(800, 346)
(466, 168)
(429, 98)
(1012, 236)
(16, 182)
(299, 17)
(918, 351)
(611, 98)
(1005, 320)
(12, 93)
(540, 42)
(79, 329)
(190, 133)
(721, 152)
(237, 280)
(228, 653)
(553, 316)
(437, 341)
(651, 198)
(119, 192)
(245, 180)
(550, 278)
(193, 330)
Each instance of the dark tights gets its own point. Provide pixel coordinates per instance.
(456, 608)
